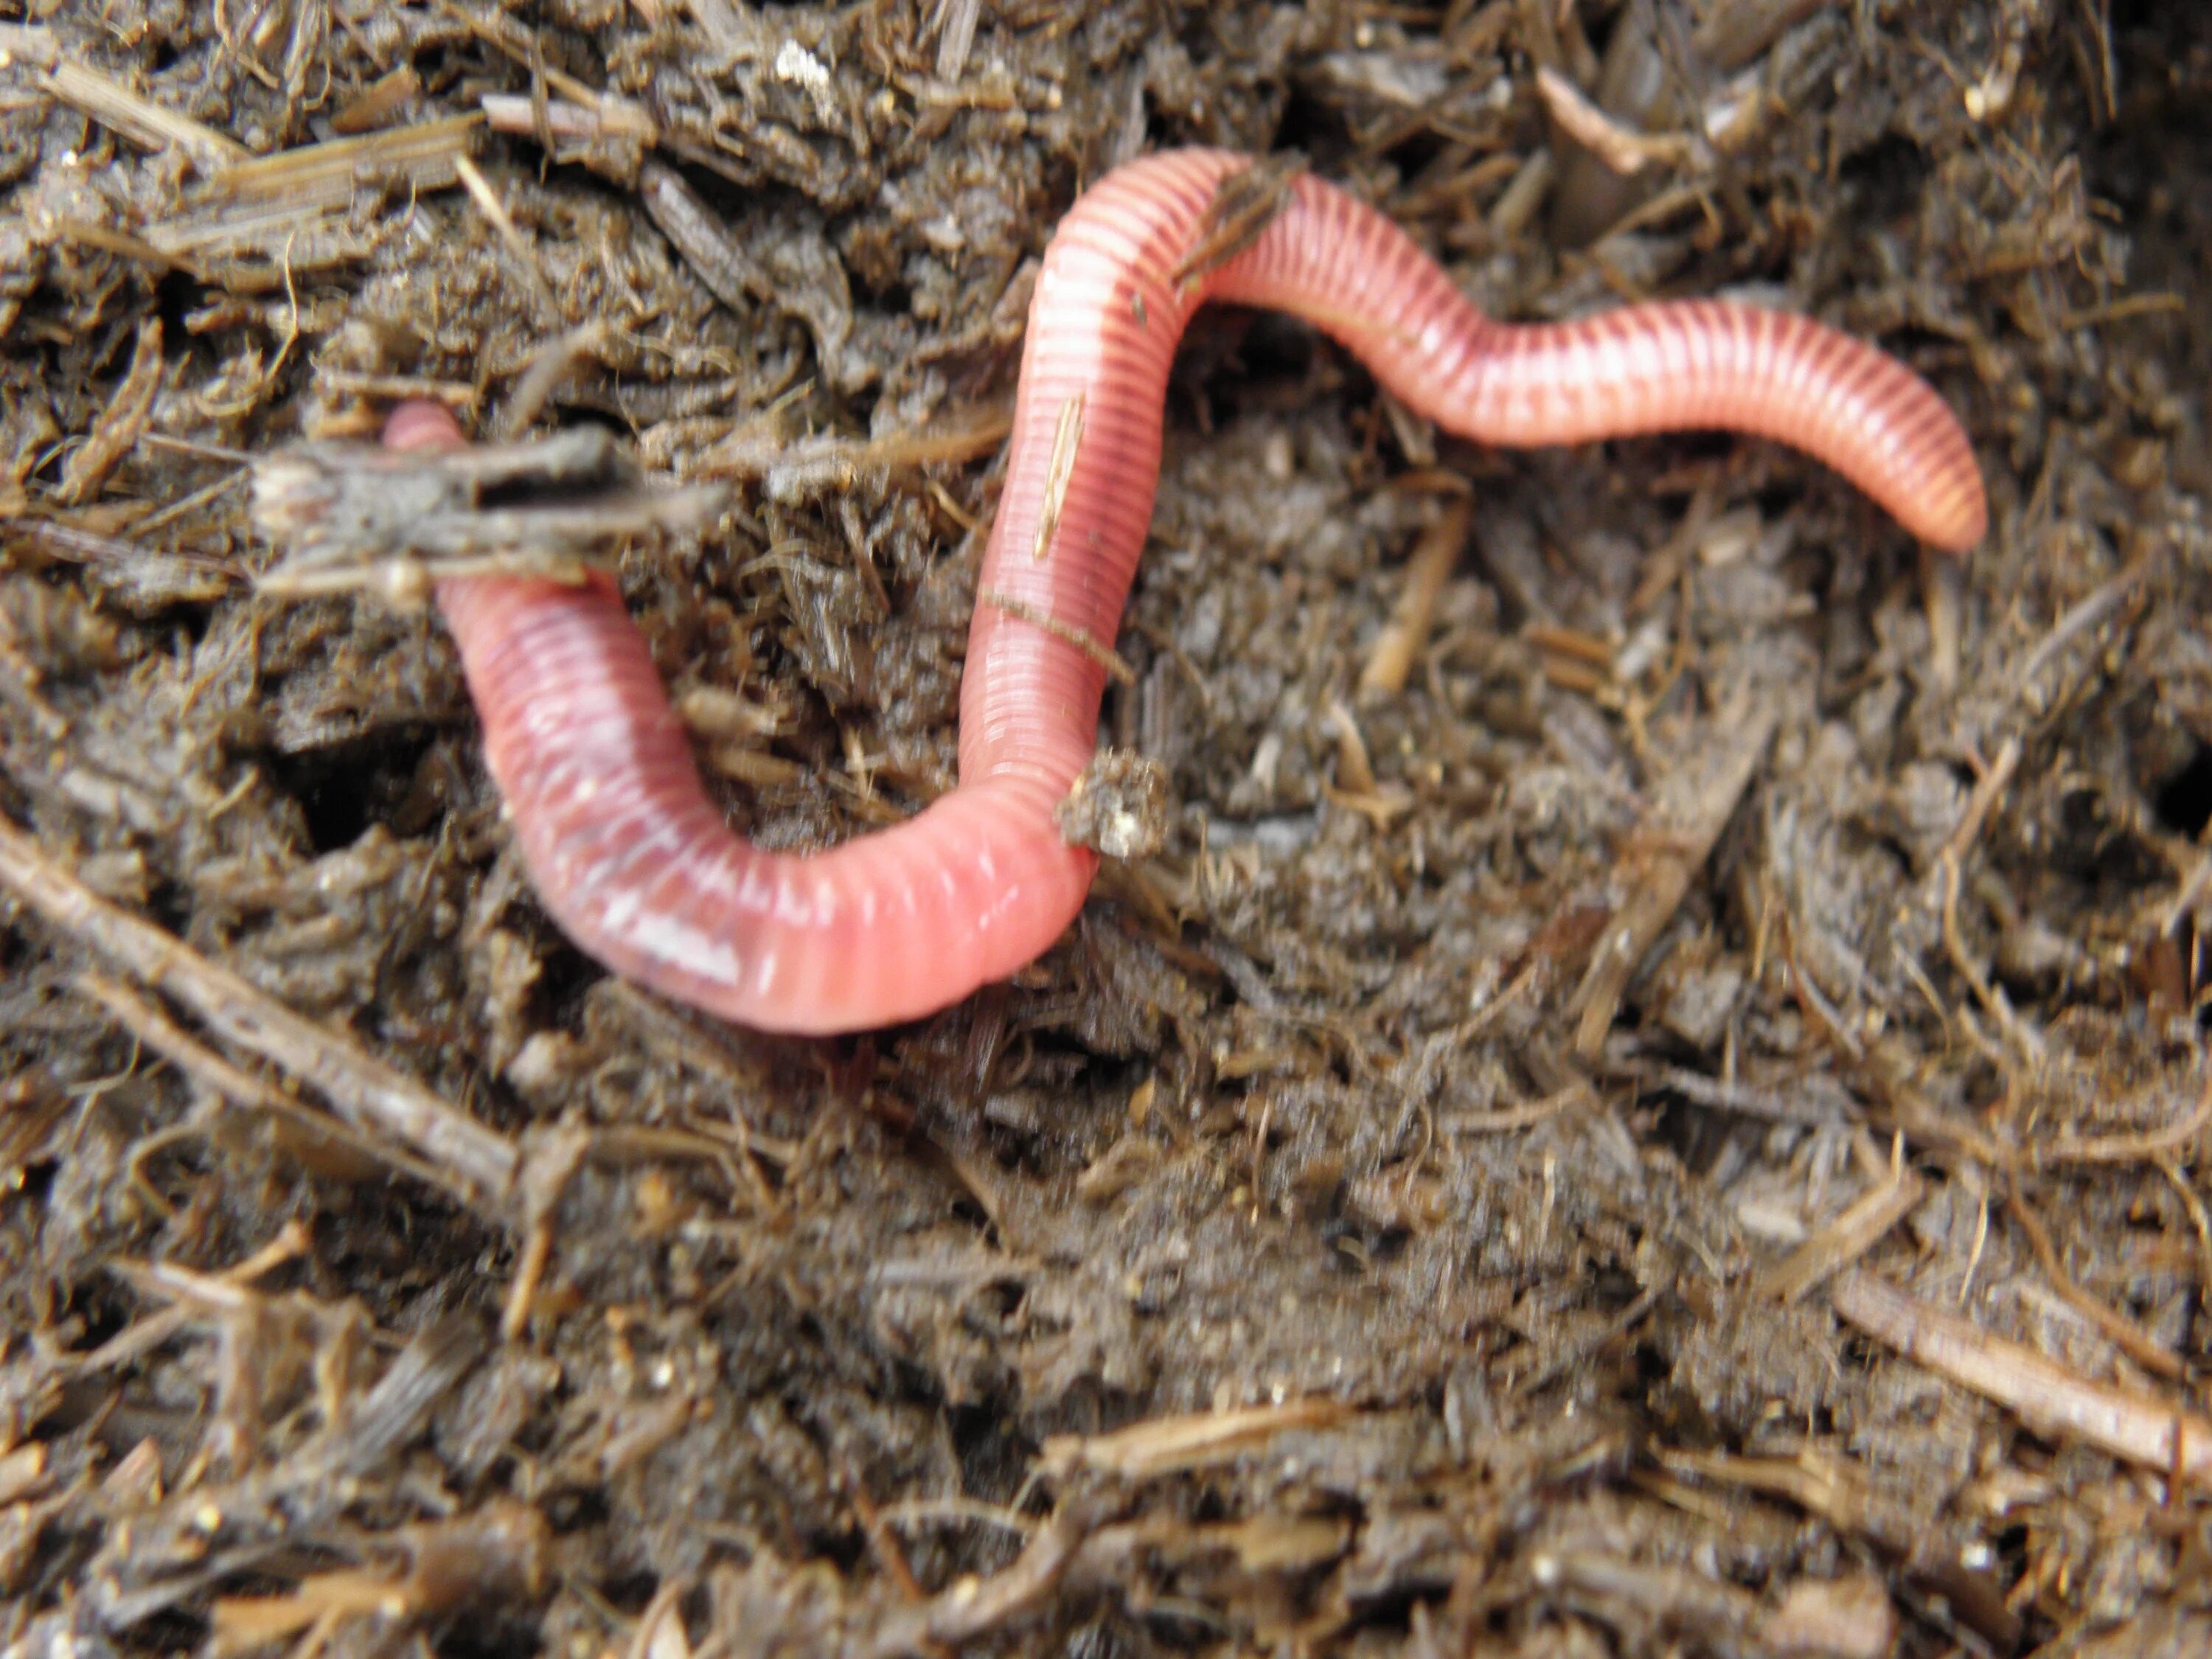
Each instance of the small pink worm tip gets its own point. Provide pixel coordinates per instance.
(420, 424)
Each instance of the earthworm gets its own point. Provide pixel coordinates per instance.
(634, 861)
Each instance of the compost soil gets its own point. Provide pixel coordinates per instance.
(1650, 1098)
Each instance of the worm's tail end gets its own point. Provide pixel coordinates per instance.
(1681, 366)
(1712, 365)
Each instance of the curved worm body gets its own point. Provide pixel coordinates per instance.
(636, 863)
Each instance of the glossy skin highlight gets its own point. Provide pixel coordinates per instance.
(634, 861)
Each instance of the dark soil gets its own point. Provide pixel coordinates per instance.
(1679, 1130)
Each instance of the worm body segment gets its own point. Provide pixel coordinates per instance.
(634, 861)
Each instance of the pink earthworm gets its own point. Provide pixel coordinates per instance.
(638, 866)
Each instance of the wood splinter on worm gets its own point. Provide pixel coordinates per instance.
(1115, 665)
(1245, 204)
(1065, 440)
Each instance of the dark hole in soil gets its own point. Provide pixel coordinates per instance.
(476, 1636)
(1887, 176)
(2184, 803)
(2129, 15)
(343, 792)
(175, 295)
(335, 798)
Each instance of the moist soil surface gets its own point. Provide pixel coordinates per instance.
(1651, 1099)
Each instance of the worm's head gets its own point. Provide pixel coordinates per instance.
(420, 424)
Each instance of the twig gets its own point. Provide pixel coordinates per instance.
(1513, 1118)
(454, 394)
(1850, 1236)
(1173, 1445)
(377, 102)
(885, 1544)
(972, 1608)
(572, 121)
(949, 1511)
(186, 504)
(2200, 1222)
(956, 24)
(2121, 1331)
(356, 516)
(729, 273)
(1727, 1094)
(2079, 619)
(1575, 1354)
(2141, 1147)
(326, 177)
(1693, 804)
(476, 1164)
(1987, 790)
(662, 1621)
(154, 1028)
(2053, 1401)
(19, 683)
(120, 424)
(757, 448)
(549, 365)
(545, 1176)
(290, 208)
(206, 1531)
(503, 223)
(1391, 657)
(1839, 1492)
(1619, 148)
(115, 105)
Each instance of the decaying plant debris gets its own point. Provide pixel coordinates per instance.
(1652, 1102)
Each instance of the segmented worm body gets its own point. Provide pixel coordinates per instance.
(635, 862)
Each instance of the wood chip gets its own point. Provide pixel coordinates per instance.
(2052, 1399)
(1174, 1445)
(1619, 148)
(120, 424)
